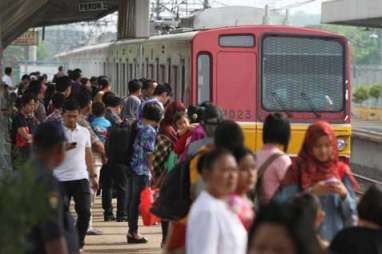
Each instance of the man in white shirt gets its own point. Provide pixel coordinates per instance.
(77, 171)
(7, 78)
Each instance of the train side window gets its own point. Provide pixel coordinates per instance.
(204, 78)
(162, 73)
(174, 82)
(117, 77)
(151, 71)
(124, 79)
(169, 71)
(183, 81)
(130, 71)
(237, 41)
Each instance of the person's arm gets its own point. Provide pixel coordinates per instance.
(89, 165)
(202, 234)
(56, 246)
(24, 134)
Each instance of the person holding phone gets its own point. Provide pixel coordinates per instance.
(76, 173)
(319, 171)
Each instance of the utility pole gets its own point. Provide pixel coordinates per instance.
(206, 4)
(157, 10)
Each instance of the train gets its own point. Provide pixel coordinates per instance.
(249, 71)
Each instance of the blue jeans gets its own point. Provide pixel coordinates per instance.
(135, 185)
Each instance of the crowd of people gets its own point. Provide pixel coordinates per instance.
(215, 195)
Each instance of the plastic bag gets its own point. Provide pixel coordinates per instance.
(147, 200)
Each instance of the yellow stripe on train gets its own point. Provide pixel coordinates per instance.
(253, 132)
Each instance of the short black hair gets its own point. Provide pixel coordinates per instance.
(152, 111)
(103, 83)
(276, 130)
(60, 68)
(35, 87)
(84, 81)
(63, 83)
(146, 83)
(207, 160)
(93, 79)
(209, 111)
(25, 76)
(48, 135)
(98, 109)
(229, 135)
(76, 74)
(8, 70)
(58, 100)
(106, 96)
(113, 101)
(134, 85)
(370, 206)
(84, 97)
(242, 152)
(71, 105)
(26, 98)
(162, 88)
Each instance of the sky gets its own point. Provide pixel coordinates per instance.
(311, 8)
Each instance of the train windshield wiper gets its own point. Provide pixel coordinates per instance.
(310, 103)
(281, 103)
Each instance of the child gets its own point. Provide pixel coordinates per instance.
(182, 124)
(100, 124)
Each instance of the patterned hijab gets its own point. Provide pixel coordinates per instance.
(306, 170)
(166, 125)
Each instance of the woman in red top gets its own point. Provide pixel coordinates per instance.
(184, 129)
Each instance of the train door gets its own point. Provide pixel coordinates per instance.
(226, 74)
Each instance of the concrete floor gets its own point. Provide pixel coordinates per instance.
(113, 239)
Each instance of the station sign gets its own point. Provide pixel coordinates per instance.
(91, 6)
(29, 38)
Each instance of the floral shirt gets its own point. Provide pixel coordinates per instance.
(144, 145)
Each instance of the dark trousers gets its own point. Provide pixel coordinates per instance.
(114, 176)
(80, 191)
(135, 186)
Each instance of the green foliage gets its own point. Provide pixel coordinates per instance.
(365, 48)
(42, 51)
(23, 204)
(360, 94)
(375, 91)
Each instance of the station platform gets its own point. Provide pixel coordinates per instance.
(113, 239)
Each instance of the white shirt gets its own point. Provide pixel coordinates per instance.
(8, 80)
(74, 166)
(213, 229)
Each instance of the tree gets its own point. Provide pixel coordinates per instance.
(376, 92)
(361, 94)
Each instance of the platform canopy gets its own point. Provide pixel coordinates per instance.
(366, 13)
(19, 15)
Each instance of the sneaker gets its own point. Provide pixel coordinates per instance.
(93, 231)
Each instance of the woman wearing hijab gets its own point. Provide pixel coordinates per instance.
(166, 139)
(319, 171)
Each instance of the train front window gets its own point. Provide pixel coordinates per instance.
(302, 74)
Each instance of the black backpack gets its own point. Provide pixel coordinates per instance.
(119, 144)
(174, 199)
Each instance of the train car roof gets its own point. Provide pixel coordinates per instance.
(179, 36)
(190, 35)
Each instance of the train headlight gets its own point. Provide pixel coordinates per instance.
(341, 144)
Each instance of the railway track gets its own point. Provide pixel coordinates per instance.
(366, 182)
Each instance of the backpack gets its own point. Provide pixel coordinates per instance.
(119, 144)
(174, 199)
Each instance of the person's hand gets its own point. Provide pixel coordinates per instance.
(94, 183)
(70, 146)
(325, 188)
